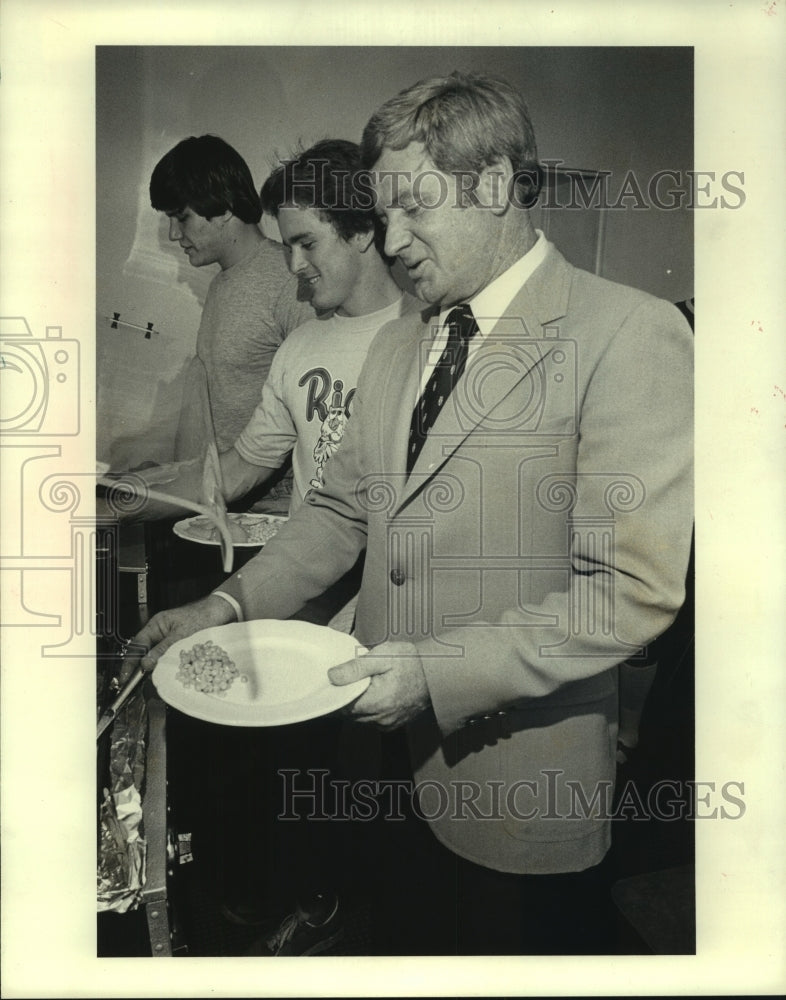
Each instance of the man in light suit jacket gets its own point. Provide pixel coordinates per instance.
(525, 532)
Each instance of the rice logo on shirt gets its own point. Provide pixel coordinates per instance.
(326, 402)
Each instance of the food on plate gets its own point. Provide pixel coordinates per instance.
(245, 529)
(262, 530)
(207, 668)
(236, 530)
(203, 528)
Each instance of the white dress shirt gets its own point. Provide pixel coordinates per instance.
(487, 305)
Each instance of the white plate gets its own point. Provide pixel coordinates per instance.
(285, 665)
(201, 529)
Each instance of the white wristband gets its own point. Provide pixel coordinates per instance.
(232, 602)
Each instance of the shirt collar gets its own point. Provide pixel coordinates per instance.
(491, 302)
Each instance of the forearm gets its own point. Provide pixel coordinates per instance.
(310, 553)
(321, 541)
(240, 476)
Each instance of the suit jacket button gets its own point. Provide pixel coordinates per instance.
(397, 577)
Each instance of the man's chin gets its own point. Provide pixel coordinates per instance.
(324, 303)
(424, 292)
(429, 295)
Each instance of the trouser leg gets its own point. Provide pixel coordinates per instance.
(307, 847)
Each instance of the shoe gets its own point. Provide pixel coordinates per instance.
(299, 934)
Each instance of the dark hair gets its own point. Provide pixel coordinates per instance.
(465, 122)
(330, 178)
(207, 175)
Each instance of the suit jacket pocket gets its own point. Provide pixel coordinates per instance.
(558, 767)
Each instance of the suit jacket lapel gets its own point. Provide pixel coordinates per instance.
(516, 344)
(400, 391)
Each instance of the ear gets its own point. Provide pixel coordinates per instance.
(362, 241)
(494, 185)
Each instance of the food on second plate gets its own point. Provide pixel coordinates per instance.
(202, 528)
(244, 529)
(261, 531)
(236, 530)
(207, 668)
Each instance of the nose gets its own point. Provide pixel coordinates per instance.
(297, 260)
(175, 231)
(397, 236)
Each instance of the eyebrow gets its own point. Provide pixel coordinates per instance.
(401, 199)
(400, 196)
(298, 238)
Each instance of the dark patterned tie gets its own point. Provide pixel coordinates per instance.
(461, 328)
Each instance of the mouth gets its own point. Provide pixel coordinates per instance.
(414, 270)
(309, 281)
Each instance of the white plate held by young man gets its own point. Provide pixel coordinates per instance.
(247, 530)
(281, 673)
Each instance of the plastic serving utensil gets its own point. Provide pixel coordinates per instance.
(221, 524)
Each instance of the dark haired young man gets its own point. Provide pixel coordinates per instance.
(205, 188)
(333, 248)
(333, 240)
